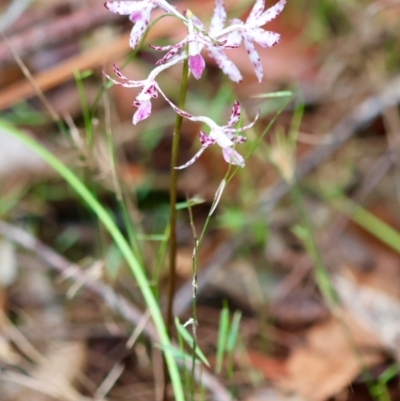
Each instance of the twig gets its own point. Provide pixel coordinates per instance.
(13, 12)
(31, 80)
(109, 381)
(116, 302)
(42, 35)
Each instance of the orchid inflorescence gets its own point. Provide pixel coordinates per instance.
(214, 41)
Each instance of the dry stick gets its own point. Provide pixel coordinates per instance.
(13, 12)
(42, 35)
(363, 114)
(115, 302)
(31, 80)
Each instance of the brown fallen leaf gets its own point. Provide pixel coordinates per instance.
(376, 311)
(331, 359)
(272, 369)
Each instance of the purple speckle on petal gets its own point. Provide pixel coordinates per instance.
(197, 65)
(152, 91)
(205, 140)
(135, 16)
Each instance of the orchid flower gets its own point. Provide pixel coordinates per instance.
(251, 31)
(217, 24)
(196, 39)
(143, 99)
(139, 12)
(225, 136)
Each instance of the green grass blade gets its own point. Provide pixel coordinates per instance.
(189, 340)
(233, 332)
(176, 353)
(369, 222)
(274, 94)
(222, 336)
(119, 239)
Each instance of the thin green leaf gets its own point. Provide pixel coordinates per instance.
(176, 353)
(273, 94)
(189, 340)
(189, 203)
(233, 332)
(369, 222)
(222, 336)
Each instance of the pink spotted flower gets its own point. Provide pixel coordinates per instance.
(217, 53)
(139, 13)
(225, 136)
(196, 39)
(143, 99)
(251, 32)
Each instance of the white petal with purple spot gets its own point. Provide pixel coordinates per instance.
(256, 11)
(219, 17)
(226, 65)
(271, 13)
(264, 38)
(125, 7)
(254, 58)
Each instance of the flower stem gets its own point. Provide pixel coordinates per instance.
(173, 196)
(172, 209)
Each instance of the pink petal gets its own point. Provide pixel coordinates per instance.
(143, 111)
(128, 82)
(125, 7)
(172, 52)
(235, 115)
(271, 13)
(135, 16)
(233, 157)
(254, 58)
(197, 65)
(256, 11)
(179, 111)
(161, 48)
(219, 17)
(264, 38)
(192, 160)
(239, 139)
(205, 140)
(226, 65)
(152, 91)
(140, 26)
